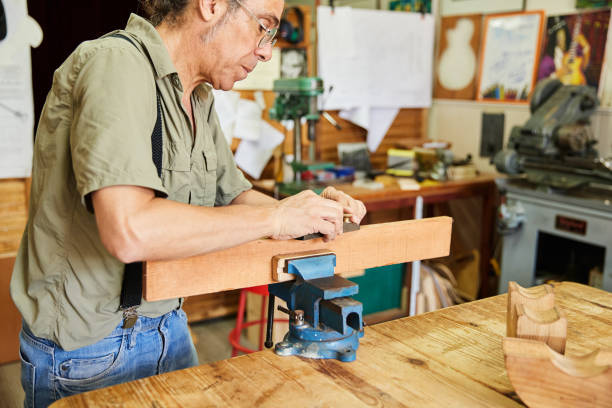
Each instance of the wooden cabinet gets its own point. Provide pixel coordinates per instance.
(14, 197)
(211, 306)
(10, 322)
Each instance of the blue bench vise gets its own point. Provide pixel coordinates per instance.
(324, 321)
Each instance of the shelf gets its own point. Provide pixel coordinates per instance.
(501, 105)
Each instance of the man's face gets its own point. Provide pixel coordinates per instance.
(234, 45)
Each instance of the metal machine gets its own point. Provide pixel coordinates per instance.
(558, 210)
(297, 98)
(555, 147)
(324, 321)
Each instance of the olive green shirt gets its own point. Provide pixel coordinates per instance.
(94, 132)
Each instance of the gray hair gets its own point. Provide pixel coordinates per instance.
(170, 11)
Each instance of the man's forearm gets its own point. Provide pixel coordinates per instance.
(134, 225)
(148, 228)
(192, 230)
(252, 197)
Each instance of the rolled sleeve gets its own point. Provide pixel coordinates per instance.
(114, 115)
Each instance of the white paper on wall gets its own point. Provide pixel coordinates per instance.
(248, 120)
(605, 82)
(253, 155)
(376, 121)
(375, 58)
(226, 106)
(16, 100)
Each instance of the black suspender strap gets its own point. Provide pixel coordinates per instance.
(131, 288)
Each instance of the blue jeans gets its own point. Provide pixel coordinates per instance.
(152, 346)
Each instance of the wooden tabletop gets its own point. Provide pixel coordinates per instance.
(452, 357)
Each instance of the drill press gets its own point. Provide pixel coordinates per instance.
(296, 99)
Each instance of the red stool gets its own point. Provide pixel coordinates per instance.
(234, 336)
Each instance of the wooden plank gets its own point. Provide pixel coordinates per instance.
(449, 358)
(250, 264)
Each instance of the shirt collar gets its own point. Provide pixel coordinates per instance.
(153, 44)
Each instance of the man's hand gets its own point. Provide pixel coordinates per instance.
(350, 206)
(307, 213)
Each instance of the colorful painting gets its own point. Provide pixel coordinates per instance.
(573, 48)
(593, 3)
(422, 6)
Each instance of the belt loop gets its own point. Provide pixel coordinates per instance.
(132, 336)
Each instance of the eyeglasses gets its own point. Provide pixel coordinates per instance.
(269, 33)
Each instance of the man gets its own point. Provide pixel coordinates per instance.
(97, 201)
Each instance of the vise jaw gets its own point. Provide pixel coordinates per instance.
(325, 322)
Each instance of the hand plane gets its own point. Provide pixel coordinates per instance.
(347, 226)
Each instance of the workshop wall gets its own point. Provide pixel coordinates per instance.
(460, 121)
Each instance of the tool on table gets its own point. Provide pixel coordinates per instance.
(555, 147)
(324, 321)
(347, 226)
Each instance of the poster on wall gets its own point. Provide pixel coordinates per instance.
(457, 62)
(573, 48)
(510, 51)
(593, 3)
(415, 6)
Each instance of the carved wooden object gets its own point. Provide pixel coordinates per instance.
(548, 326)
(544, 378)
(537, 298)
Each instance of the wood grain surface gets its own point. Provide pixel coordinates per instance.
(14, 198)
(452, 357)
(536, 298)
(409, 129)
(544, 378)
(251, 264)
(14, 201)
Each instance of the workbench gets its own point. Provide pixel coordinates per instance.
(451, 357)
(390, 198)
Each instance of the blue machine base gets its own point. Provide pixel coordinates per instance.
(340, 348)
